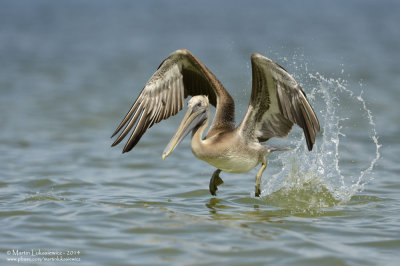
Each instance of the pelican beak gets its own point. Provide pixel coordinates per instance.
(193, 118)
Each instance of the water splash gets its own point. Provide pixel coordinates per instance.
(344, 155)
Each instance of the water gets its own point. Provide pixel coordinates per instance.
(69, 72)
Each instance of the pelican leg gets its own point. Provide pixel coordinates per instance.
(258, 178)
(215, 181)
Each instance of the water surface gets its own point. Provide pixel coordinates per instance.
(69, 72)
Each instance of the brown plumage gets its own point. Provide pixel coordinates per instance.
(276, 103)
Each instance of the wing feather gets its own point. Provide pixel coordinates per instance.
(276, 103)
(180, 75)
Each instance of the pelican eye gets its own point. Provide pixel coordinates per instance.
(197, 105)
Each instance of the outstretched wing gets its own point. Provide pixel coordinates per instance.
(181, 74)
(277, 101)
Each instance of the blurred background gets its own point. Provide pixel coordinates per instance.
(69, 71)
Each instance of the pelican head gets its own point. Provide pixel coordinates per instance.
(196, 116)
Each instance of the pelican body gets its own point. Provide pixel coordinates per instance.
(276, 103)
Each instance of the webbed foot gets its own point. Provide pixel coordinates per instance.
(258, 190)
(215, 181)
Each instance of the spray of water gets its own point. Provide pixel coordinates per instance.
(342, 160)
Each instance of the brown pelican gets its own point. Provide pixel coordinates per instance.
(276, 102)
